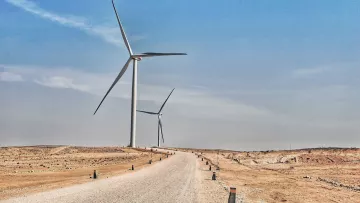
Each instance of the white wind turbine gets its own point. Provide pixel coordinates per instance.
(159, 114)
(134, 58)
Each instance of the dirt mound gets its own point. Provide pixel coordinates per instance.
(99, 149)
(322, 159)
(289, 160)
(73, 150)
(24, 151)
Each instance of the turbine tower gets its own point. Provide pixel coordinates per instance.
(159, 114)
(134, 58)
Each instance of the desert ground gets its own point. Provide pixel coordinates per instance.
(25, 170)
(64, 173)
(307, 175)
(179, 178)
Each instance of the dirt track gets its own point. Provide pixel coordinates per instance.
(180, 178)
(311, 175)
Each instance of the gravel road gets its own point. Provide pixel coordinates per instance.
(176, 179)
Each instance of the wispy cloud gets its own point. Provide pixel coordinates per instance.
(61, 82)
(196, 101)
(305, 72)
(109, 34)
(65, 77)
(10, 77)
(135, 38)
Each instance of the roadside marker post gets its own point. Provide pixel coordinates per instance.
(210, 168)
(232, 195)
(132, 167)
(94, 175)
(214, 176)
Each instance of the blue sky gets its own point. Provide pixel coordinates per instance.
(288, 64)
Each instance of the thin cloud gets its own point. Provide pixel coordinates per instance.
(61, 82)
(135, 38)
(66, 77)
(10, 77)
(108, 34)
(305, 72)
(192, 100)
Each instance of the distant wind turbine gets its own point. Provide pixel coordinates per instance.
(159, 114)
(134, 58)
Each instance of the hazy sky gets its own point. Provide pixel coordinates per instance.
(259, 74)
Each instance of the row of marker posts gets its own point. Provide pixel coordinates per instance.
(167, 155)
(150, 161)
(132, 166)
(232, 194)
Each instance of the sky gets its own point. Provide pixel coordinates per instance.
(259, 74)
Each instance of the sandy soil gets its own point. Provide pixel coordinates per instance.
(180, 178)
(311, 175)
(25, 170)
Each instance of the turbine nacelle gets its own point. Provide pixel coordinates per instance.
(136, 58)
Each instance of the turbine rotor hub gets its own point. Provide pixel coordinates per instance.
(136, 58)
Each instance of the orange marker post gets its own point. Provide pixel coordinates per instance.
(232, 195)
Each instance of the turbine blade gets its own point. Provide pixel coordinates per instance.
(162, 133)
(152, 54)
(115, 81)
(122, 30)
(163, 54)
(166, 100)
(148, 112)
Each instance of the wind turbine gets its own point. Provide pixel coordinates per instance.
(134, 58)
(159, 114)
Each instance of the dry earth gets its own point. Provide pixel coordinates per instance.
(309, 175)
(179, 178)
(25, 170)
